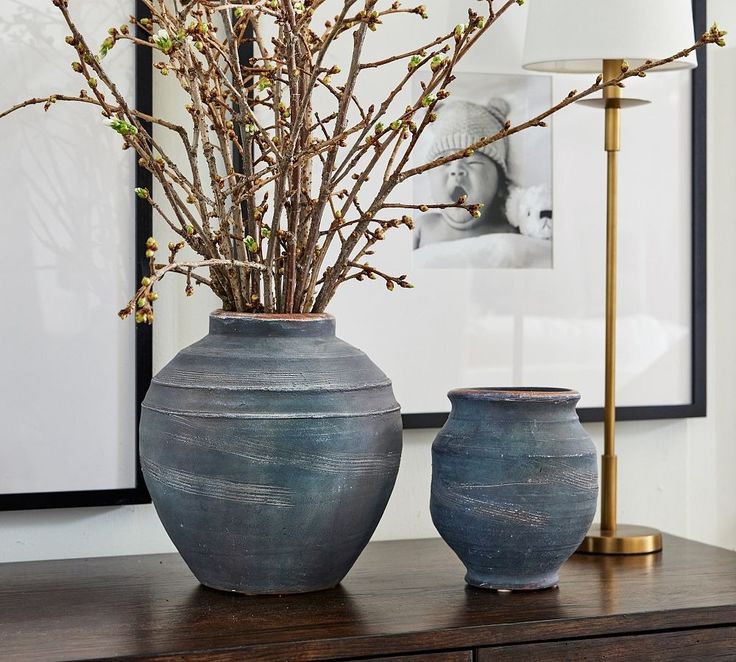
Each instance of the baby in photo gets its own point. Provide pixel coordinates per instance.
(483, 177)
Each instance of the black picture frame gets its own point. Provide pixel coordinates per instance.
(697, 406)
(143, 332)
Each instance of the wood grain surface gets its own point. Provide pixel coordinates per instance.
(401, 598)
(693, 645)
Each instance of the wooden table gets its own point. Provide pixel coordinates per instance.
(402, 601)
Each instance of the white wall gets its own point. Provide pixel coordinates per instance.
(676, 475)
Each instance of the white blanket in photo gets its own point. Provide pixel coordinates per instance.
(490, 251)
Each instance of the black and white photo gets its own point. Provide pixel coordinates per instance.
(510, 180)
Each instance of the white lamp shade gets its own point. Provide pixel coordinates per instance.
(573, 36)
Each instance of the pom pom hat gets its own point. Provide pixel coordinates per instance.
(460, 123)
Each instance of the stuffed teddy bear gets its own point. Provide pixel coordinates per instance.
(530, 210)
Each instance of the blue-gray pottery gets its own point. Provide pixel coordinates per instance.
(514, 484)
(270, 449)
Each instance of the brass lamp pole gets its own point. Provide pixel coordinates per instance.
(571, 36)
(610, 537)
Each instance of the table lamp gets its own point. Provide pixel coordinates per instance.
(599, 37)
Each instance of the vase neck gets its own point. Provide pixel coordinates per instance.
(276, 326)
(550, 403)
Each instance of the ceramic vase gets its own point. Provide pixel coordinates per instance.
(270, 449)
(514, 484)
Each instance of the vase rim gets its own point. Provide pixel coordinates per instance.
(270, 317)
(516, 393)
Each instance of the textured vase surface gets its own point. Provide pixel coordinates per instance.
(514, 484)
(270, 449)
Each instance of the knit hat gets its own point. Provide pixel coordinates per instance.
(461, 123)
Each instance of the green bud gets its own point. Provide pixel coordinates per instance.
(123, 127)
(251, 244)
(145, 281)
(163, 41)
(106, 47)
(437, 62)
(141, 192)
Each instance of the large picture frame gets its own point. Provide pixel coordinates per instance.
(140, 364)
(423, 368)
(429, 417)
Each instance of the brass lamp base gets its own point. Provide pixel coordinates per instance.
(626, 539)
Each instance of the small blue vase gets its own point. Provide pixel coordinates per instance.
(514, 484)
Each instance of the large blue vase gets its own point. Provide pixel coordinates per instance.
(270, 449)
(514, 484)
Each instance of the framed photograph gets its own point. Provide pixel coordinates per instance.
(511, 180)
(73, 373)
(515, 295)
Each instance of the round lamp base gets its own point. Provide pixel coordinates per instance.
(626, 539)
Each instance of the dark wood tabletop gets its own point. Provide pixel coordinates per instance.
(401, 598)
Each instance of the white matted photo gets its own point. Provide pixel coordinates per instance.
(463, 326)
(499, 326)
(511, 179)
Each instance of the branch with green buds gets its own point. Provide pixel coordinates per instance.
(142, 303)
(278, 147)
(362, 271)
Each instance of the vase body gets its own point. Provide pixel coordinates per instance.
(270, 449)
(514, 484)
